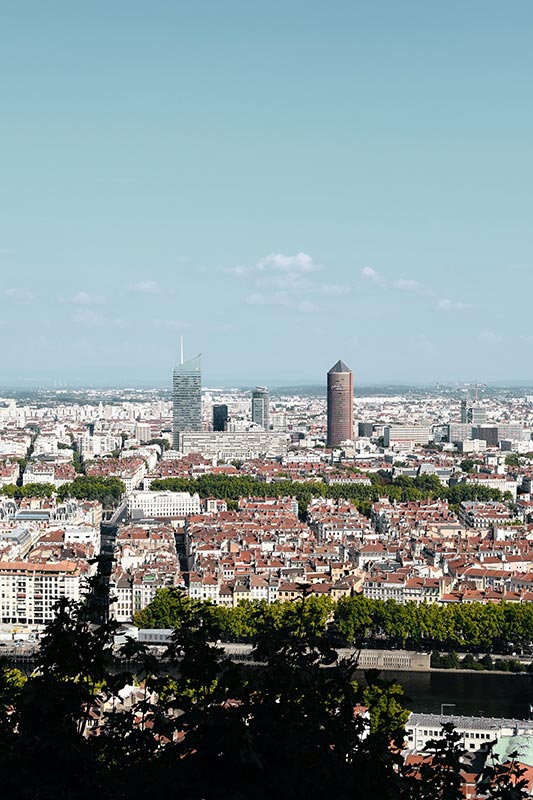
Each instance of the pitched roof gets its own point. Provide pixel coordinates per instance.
(340, 366)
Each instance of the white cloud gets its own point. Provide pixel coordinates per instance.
(145, 287)
(287, 281)
(269, 299)
(92, 319)
(86, 299)
(407, 284)
(334, 288)
(238, 270)
(306, 307)
(370, 274)
(301, 262)
(445, 304)
(21, 295)
(278, 262)
(171, 324)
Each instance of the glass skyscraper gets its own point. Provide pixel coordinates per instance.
(261, 407)
(186, 398)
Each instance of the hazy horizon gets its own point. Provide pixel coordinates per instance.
(246, 385)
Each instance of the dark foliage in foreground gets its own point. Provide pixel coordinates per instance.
(203, 727)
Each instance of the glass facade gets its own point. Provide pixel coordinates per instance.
(220, 417)
(261, 407)
(186, 398)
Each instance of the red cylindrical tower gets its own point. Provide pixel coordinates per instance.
(340, 404)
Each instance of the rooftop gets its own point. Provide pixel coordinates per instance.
(340, 366)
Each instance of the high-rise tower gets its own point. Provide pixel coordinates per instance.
(186, 397)
(340, 404)
(261, 407)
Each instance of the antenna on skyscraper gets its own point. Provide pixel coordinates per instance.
(181, 349)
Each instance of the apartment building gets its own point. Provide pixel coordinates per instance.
(55, 473)
(28, 591)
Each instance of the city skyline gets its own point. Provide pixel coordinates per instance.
(373, 201)
(290, 187)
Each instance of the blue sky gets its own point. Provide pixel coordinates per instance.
(285, 183)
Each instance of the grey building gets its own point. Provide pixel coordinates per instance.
(226, 445)
(220, 417)
(186, 398)
(261, 407)
(365, 429)
(473, 413)
(459, 431)
(489, 433)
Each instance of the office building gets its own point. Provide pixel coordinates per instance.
(365, 429)
(489, 433)
(406, 434)
(261, 407)
(227, 445)
(340, 405)
(220, 418)
(472, 413)
(513, 431)
(186, 397)
(459, 432)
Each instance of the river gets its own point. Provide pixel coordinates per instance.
(474, 694)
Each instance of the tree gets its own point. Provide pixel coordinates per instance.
(512, 460)
(487, 662)
(29, 490)
(469, 662)
(451, 661)
(165, 611)
(164, 444)
(387, 714)
(354, 618)
(108, 491)
(504, 781)
(440, 775)
(199, 726)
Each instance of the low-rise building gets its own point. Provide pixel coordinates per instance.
(152, 504)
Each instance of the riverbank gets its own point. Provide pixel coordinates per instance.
(471, 693)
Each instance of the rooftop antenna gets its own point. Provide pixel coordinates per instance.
(181, 349)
